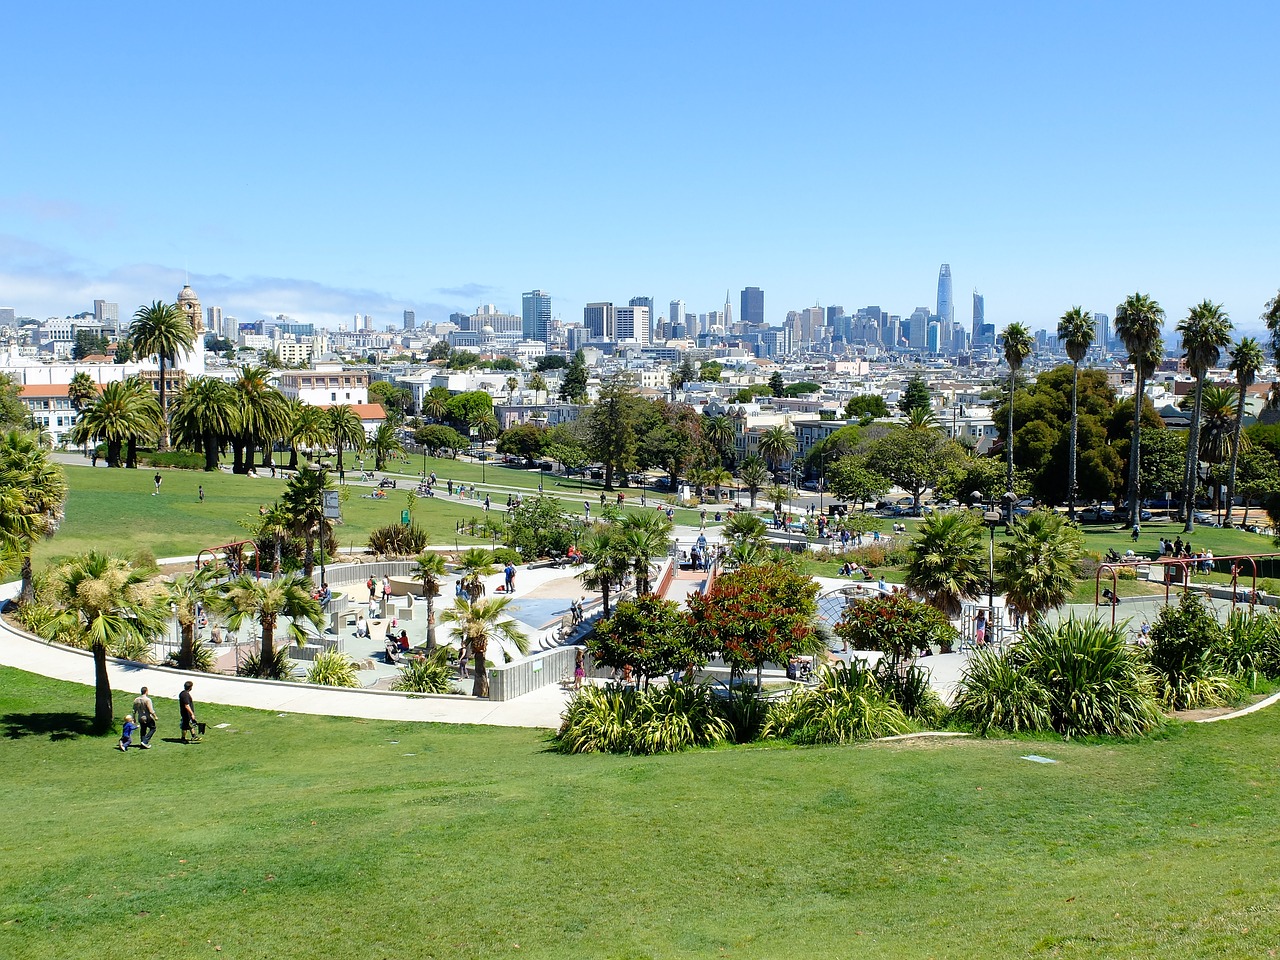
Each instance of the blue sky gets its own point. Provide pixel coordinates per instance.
(321, 160)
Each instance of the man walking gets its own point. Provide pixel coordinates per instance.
(144, 712)
(187, 709)
(200, 490)
(157, 479)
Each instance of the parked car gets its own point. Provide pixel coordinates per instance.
(1096, 515)
(1204, 519)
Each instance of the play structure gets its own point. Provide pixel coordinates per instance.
(1181, 571)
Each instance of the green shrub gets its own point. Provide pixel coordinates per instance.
(745, 713)
(846, 706)
(172, 459)
(504, 555)
(995, 692)
(398, 540)
(1250, 647)
(277, 668)
(433, 674)
(599, 720)
(1185, 640)
(661, 719)
(135, 648)
(333, 668)
(910, 689)
(201, 658)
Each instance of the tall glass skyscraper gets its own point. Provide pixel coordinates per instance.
(752, 306)
(979, 317)
(946, 306)
(536, 319)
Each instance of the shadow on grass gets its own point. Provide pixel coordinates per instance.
(57, 726)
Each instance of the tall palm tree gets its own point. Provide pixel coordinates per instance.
(538, 384)
(1271, 318)
(473, 566)
(82, 392)
(346, 432)
(644, 537)
(1246, 362)
(187, 592)
(1037, 565)
(430, 569)
(1018, 345)
(1217, 431)
(754, 474)
(309, 429)
(204, 417)
(1138, 322)
(162, 330)
(35, 489)
(435, 406)
(485, 426)
(1075, 332)
(246, 599)
(271, 530)
(946, 565)
(602, 547)
(303, 502)
(512, 383)
(776, 446)
(105, 602)
(719, 433)
(921, 418)
(476, 624)
(264, 415)
(1205, 331)
(384, 443)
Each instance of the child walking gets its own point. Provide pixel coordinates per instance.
(126, 735)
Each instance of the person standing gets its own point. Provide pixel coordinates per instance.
(200, 490)
(579, 669)
(157, 478)
(586, 507)
(509, 572)
(144, 711)
(187, 709)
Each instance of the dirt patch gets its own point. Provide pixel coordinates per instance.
(1191, 716)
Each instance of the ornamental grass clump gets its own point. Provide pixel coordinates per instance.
(997, 693)
(846, 706)
(433, 674)
(333, 668)
(1250, 647)
(662, 719)
(1185, 653)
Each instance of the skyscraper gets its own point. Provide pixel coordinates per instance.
(1102, 331)
(752, 306)
(979, 316)
(108, 314)
(728, 312)
(946, 307)
(598, 318)
(675, 313)
(918, 336)
(410, 320)
(632, 323)
(536, 316)
(213, 317)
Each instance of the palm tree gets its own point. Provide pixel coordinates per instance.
(125, 413)
(1246, 362)
(1138, 322)
(163, 330)
(105, 602)
(1037, 566)
(34, 490)
(435, 407)
(247, 598)
(512, 383)
(946, 565)
(716, 477)
(1216, 437)
(538, 384)
(1018, 345)
(485, 426)
(186, 594)
(273, 528)
(921, 418)
(476, 623)
(309, 429)
(1205, 331)
(430, 569)
(473, 566)
(1075, 332)
(644, 537)
(204, 417)
(384, 443)
(82, 392)
(345, 431)
(776, 445)
(601, 545)
(754, 474)
(719, 433)
(744, 527)
(264, 414)
(778, 495)
(303, 502)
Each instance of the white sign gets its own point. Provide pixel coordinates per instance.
(332, 508)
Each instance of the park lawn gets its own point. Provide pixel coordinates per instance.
(284, 836)
(113, 510)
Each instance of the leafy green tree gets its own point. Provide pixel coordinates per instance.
(1258, 477)
(13, 412)
(468, 408)
(246, 599)
(1205, 331)
(1163, 457)
(914, 396)
(462, 359)
(710, 371)
(866, 406)
(162, 330)
(439, 350)
(477, 623)
(32, 491)
(1037, 566)
(574, 386)
(611, 429)
(684, 373)
(776, 384)
(526, 440)
(981, 475)
(850, 479)
(947, 563)
(650, 634)
(915, 460)
(1075, 333)
(1246, 362)
(1018, 346)
(537, 527)
(437, 437)
(104, 603)
(1137, 324)
(757, 615)
(801, 389)
(895, 625)
(550, 361)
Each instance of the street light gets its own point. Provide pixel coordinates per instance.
(992, 517)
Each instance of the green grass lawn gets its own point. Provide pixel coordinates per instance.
(292, 836)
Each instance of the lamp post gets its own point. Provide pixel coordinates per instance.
(991, 517)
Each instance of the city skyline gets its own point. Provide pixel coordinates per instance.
(304, 191)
